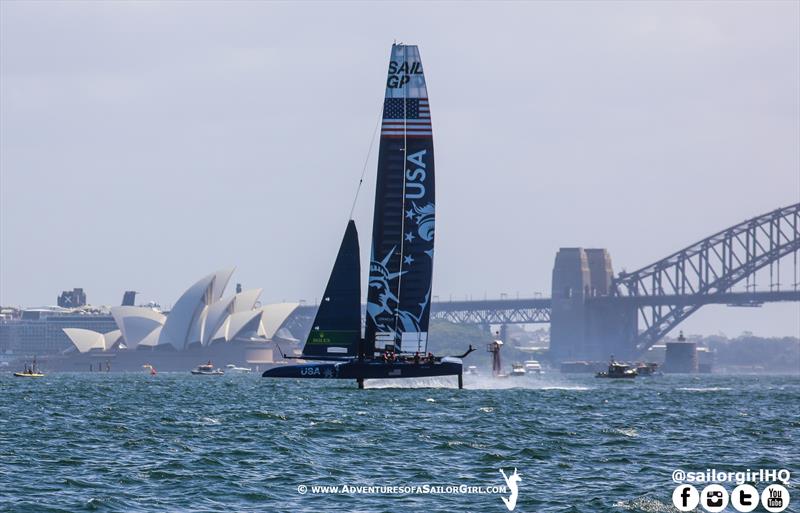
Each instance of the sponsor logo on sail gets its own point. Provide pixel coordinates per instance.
(399, 73)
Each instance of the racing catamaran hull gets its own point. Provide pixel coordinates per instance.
(368, 369)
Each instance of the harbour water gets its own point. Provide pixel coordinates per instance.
(176, 442)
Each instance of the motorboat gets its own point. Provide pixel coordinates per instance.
(617, 370)
(533, 367)
(238, 370)
(472, 370)
(30, 372)
(207, 370)
(648, 369)
(518, 369)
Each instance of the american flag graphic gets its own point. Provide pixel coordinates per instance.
(407, 117)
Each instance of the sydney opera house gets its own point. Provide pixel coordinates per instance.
(203, 324)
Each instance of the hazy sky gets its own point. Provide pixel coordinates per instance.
(144, 145)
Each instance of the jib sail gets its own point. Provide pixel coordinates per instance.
(337, 326)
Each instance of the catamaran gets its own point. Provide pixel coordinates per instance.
(395, 341)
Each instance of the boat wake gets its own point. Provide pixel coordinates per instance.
(704, 389)
(472, 382)
(482, 382)
(430, 382)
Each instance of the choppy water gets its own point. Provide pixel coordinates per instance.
(175, 442)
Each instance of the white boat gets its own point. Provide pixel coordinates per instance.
(238, 370)
(207, 370)
(533, 367)
(517, 369)
(473, 370)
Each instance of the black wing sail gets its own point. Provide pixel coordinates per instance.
(401, 267)
(337, 326)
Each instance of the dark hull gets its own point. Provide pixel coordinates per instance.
(360, 370)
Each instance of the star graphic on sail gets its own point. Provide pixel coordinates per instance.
(410, 213)
(410, 237)
(408, 259)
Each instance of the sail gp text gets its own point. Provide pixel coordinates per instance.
(425, 489)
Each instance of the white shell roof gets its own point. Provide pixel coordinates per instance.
(221, 279)
(274, 316)
(243, 322)
(186, 312)
(196, 330)
(85, 340)
(216, 316)
(199, 314)
(151, 340)
(246, 300)
(222, 332)
(136, 322)
(112, 338)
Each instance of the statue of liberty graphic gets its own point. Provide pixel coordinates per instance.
(380, 279)
(386, 315)
(384, 307)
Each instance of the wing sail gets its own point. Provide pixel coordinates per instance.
(401, 267)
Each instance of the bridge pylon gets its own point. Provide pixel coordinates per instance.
(581, 329)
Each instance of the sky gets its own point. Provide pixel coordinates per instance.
(144, 145)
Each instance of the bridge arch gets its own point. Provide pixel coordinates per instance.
(671, 289)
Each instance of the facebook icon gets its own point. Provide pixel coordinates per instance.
(685, 497)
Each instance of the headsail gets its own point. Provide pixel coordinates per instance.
(337, 326)
(398, 299)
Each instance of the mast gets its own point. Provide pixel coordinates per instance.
(401, 267)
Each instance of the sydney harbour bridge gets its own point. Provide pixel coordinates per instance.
(593, 313)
